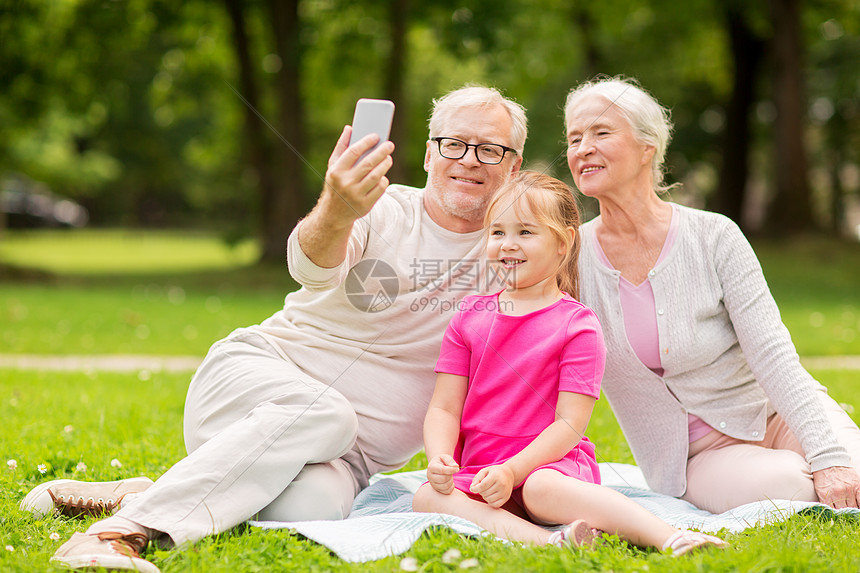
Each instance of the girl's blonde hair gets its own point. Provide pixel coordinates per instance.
(553, 204)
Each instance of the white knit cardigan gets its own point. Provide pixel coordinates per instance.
(727, 357)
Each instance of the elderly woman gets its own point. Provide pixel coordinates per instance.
(701, 373)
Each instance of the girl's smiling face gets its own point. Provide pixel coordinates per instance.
(528, 252)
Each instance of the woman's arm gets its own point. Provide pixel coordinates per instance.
(775, 364)
(442, 430)
(572, 415)
(770, 353)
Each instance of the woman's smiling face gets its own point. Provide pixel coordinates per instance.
(603, 152)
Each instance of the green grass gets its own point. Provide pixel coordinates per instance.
(177, 292)
(62, 420)
(816, 284)
(121, 251)
(141, 293)
(108, 292)
(126, 317)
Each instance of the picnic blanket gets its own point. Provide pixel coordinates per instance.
(382, 522)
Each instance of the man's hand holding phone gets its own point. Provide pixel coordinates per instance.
(355, 178)
(354, 182)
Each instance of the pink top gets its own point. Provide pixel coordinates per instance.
(516, 366)
(640, 320)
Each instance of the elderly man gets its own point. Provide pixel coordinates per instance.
(288, 419)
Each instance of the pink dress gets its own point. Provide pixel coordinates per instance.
(516, 367)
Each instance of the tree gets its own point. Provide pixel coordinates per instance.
(123, 105)
(395, 80)
(287, 205)
(747, 50)
(279, 168)
(791, 207)
(835, 109)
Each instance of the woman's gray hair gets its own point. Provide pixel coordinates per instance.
(651, 122)
(479, 96)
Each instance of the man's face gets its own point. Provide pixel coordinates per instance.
(458, 190)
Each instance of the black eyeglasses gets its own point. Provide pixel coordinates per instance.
(487, 153)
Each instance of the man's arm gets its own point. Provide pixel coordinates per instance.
(351, 189)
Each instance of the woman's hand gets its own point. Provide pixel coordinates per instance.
(440, 473)
(494, 484)
(837, 486)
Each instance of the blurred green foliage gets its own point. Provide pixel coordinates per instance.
(129, 107)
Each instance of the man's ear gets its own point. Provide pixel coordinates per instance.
(518, 162)
(427, 153)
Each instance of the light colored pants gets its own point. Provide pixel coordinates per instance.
(263, 440)
(724, 472)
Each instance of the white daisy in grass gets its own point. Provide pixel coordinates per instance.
(451, 556)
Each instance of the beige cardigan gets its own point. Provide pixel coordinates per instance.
(726, 355)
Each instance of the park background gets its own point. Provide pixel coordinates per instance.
(221, 114)
(194, 134)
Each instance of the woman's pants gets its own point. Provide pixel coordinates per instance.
(724, 472)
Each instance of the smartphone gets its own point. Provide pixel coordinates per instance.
(372, 116)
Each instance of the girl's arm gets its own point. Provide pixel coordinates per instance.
(442, 430)
(572, 415)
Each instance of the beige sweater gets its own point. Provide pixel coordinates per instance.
(383, 360)
(726, 355)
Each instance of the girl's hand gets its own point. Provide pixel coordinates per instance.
(440, 473)
(494, 484)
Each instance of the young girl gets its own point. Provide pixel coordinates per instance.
(518, 375)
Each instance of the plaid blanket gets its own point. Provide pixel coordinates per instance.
(382, 522)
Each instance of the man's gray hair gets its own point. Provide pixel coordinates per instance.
(479, 96)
